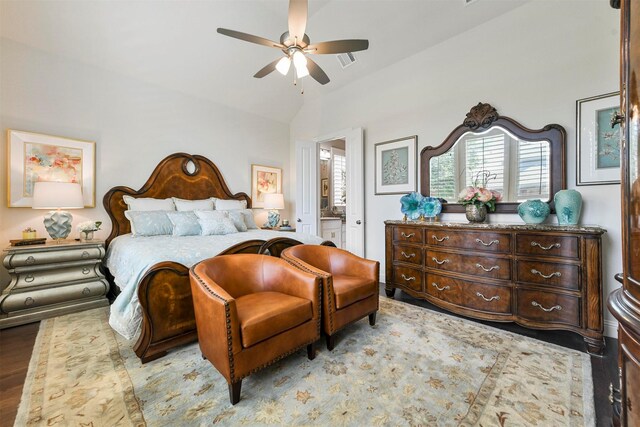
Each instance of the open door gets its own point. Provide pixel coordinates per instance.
(307, 212)
(354, 148)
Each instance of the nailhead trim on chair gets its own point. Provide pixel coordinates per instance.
(229, 340)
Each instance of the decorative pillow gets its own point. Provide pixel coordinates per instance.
(148, 204)
(249, 220)
(229, 205)
(184, 223)
(238, 220)
(215, 222)
(149, 223)
(193, 205)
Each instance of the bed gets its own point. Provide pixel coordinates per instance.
(150, 275)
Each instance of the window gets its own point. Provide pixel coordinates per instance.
(533, 170)
(339, 178)
(442, 177)
(486, 154)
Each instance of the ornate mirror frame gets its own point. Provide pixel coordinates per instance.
(482, 117)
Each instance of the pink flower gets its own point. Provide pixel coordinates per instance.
(497, 195)
(467, 194)
(484, 195)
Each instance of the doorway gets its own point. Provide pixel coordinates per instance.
(332, 165)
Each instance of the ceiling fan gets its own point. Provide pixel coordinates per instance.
(296, 46)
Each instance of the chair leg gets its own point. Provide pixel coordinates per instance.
(331, 342)
(311, 351)
(234, 392)
(372, 318)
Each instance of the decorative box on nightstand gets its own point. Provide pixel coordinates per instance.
(52, 279)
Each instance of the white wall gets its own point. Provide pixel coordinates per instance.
(532, 64)
(135, 125)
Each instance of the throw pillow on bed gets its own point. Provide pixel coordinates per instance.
(184, 223)
(249, 220)
(193, 205)
(215, 223)
(148, 204)
(229, 205)
(149, 223)
(238, 220)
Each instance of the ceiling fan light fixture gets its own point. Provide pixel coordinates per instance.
(302, 71)
(283, 65)
(299, 60)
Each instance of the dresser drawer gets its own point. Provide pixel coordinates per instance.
(548, 307)
(407, 234)
(541, 244)
(408, 277)
(477, 265)
(65, 254)
(487, 298)
(60, 275)
(474, 240)
(410, 254)
(43, 297)
(559, 275)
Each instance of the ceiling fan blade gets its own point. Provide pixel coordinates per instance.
(297, 19)
(267, 69)
(316, 72)
(249, 38)
(338, 46)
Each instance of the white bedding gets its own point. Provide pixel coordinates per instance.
(129, 258)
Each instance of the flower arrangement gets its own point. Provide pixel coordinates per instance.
(89, 226)
(29, 230)
(478, 194)
(29, 233)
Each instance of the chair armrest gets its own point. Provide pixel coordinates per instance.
(344, 262)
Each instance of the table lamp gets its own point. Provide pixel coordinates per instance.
(273, 202)
(57, 196)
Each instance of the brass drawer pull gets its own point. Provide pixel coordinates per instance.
(30, 260)
(546, 248)
(493, 242)
(555, 307)
(29, 301)
(86, 270)
(440, 240)
(408, 279)
(496, 298)
(546, 276)
(493, 267)
(407, 255)
(444, 288)
(29, 278)
(85, 254)
(408, 236)
(86, 291)
(444, 261)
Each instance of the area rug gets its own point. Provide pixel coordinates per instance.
(415, 367)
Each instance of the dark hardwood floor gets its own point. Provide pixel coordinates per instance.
(16, 345)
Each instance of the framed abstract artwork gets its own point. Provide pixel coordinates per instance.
(33, 157)
(324, 185)
(597, 143)
(264, 179)
(395, 166)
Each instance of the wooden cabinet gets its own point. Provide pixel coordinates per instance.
(52, 279)
(624, 303)
(331, 229)
(543, 276)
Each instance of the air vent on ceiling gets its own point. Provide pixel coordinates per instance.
(468, 2)
(346, 59)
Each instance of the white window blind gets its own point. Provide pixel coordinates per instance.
(533, 170)
(442, 178)
(486, 154)
(339, 180)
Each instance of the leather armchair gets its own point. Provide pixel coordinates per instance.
(349, 284)
(251, 311)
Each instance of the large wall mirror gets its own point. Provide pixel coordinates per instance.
(499, 153)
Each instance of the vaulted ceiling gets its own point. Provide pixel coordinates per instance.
(174, 44)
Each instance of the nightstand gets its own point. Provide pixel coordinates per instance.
(279, 229)
(52, 279)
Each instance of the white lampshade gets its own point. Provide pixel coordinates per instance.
(283, 65)
(299, 60)
(273, 201)
(57, 195)
(302, 71)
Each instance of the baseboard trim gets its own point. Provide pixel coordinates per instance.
(611, 328)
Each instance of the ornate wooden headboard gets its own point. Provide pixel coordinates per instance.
(171, 178)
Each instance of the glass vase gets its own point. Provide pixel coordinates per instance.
(476, 213)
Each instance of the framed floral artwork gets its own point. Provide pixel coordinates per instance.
(264, 179)
(33, 157)
(597, 143)
(395, 166)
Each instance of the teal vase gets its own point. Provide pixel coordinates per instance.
(534, 211)
(568, 206)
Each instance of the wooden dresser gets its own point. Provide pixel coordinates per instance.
(542, 276)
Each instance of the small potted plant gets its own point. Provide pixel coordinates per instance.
(87, 229)
(478, 198)
(29, 233)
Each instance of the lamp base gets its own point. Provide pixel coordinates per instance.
(58, 224)
(273, 219)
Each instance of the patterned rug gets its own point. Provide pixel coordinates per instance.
(415, 367)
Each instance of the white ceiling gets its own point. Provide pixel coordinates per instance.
(174, 44)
